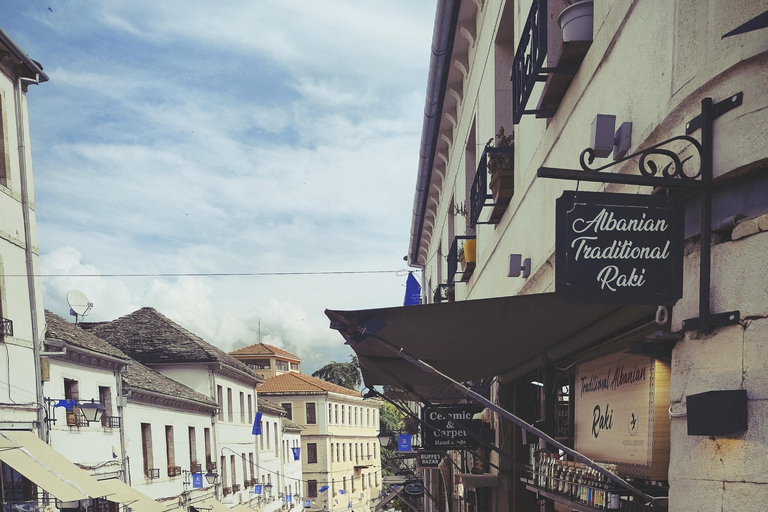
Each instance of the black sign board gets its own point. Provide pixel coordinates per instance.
(451, 424)
(619, 249)
(414, 487)
(430, 459)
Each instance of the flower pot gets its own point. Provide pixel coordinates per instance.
(576, 21)
(502, 186)
(469, 251)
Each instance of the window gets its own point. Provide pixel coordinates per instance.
(220, 399)
(250, 462)
(250, 409)
(71, 392)
(336, 413)
(330, 414)
(311, 453)
(192, 449)
(311, 488)
(105, 399)
(234, 469)
(295, 367)
(311, 418)
(343, 452)
(261, 437)
(277, 446)
(288, 409)
(224, 475)
(367, 417)
(17, 489)
(242, 407)
(207, 440)
(355, 423)
(259, 364)
(245, 470)
(267, 432)
(337, 452)
(146, 448)
(343, 421)
(5, 163)
(281, 366)
(170, 450)
(229, 405)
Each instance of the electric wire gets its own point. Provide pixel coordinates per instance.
(219, 274)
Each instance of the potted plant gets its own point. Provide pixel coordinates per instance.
(467, 256)
(501, 167)
(576, 20)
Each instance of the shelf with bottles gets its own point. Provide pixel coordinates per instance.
(578, 486)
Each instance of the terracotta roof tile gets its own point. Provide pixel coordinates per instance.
(259, 349)
(294, 382)
(150, 337)
(270, 407)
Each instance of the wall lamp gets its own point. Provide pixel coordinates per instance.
(92, 411)
(519, 267)
(605, 139)
(211, 477)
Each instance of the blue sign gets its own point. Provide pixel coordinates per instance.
(296, 453)
(288, 498)
(412, 291)
(404, 443)
(307, 503)
(197, 480)
(257, 425)
(257, 489)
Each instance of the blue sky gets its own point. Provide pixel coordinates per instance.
(225, 137)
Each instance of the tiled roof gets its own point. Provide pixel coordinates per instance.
(299, 383)
(259, 349)
(292, 425)
(135, 375)
(150, 337)
(59, 329)
(270, 407)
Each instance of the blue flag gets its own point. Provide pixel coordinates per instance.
(341, 491)
(324, 488)
(296, 453)
(404, 443)
(257, 425)
(412, 291)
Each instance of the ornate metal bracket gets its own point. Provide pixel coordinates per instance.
(672, 175)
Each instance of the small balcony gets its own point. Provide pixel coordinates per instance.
(495, 171)
(110, 421)
(152, 474)
(444, 293)
(210, 466)
(235, 488)
(461, 255)
(226, 491)
(195, 468)
(6, 327)
(174, 471)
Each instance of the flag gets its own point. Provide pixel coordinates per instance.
(288, 498)
(412, 291)
(66, 403)
(324, 488)
(404, 443)
(296, 453)
(257, 425)
(341, 491)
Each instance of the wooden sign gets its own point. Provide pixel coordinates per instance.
(452, 427)
(618, 249)
(430, 460)
(621, 413)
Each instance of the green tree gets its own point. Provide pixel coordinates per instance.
(390, 420)
(343, 374)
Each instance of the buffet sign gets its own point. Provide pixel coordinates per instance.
(621, 416)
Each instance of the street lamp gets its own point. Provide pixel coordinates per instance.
(211, 477)
(385, 439)
(92, 410)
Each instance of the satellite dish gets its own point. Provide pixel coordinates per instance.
(79, 306)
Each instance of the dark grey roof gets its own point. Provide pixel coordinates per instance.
(270, 407)
(135, 375)
(292, 425)
(56, 328)
(152, 338)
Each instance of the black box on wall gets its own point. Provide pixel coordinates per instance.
(717, 413)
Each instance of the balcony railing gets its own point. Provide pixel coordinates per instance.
(152, 474)
(195, 468)
(443, 293)
(110, 421)
(226, 491)
(235, 488)
(75, 418)
(210, 466)
(174, 470)
(479, 195)
(453, 258)
(527, 68)
(7, 326)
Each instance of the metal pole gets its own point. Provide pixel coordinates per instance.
(705, 255)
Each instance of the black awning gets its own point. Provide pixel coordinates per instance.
(476, 339)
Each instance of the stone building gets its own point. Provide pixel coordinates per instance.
(687, 428)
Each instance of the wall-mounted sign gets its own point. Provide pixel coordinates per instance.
(621, 415)
(619, 248)
(452, 425)
(430, 459)
(197, 480)
(414, 487)
(404, 443)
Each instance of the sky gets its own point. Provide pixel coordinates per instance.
(236, 136)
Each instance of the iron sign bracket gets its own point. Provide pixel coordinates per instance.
(673, 175)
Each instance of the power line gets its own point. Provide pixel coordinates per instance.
(219, 274)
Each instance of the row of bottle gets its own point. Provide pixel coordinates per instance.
(576, 481)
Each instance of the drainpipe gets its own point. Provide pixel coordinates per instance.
(28, 255)
(121, 415)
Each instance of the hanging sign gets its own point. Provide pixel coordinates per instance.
(451, 426)
(296, 453)
(619, 248)
(621, 414)
(430, 459)
(404, 443)
(414, 487)
(197, 480)
(257, 489)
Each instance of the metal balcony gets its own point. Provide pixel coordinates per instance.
(7, 326)
(453, 259)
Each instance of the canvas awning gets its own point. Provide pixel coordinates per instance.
(210, 504)
(47, 468)
(127, 495)
(476, 339)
